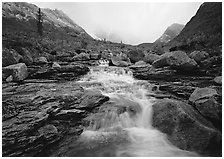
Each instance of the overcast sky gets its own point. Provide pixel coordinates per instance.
(131, 22)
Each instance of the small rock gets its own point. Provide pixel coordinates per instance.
(218, 80)
(9, 79)
(55, 65)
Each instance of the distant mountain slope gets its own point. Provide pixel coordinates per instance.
(19, 28)
(170, 33)
(204, 30)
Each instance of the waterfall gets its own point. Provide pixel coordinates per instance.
(123, 126)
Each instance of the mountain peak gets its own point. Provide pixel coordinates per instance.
(171, 32)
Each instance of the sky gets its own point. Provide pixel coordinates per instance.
(129, 22)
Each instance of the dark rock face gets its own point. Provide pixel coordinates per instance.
(18, 72)
(176, 60)
(186, 128)
(10, 57)
(206, 102)
(135, 55)
(40, 113)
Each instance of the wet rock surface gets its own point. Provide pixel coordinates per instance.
(39, 113)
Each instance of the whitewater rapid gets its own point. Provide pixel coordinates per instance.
(124, 126)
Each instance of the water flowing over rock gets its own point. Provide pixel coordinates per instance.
(38, 114)
(17, 71)
(185, 127)
(176, 60)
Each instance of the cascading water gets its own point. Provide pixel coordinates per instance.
(122, 126)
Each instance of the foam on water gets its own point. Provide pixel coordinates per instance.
(135, 122)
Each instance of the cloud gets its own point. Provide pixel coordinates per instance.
(130, 22)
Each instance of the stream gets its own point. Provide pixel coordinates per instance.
(122, 127)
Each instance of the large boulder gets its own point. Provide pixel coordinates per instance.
(119, 61)
(17, 71)
(135, 55)
(206, 102)
(10, 57)
(186, 128)
(150, 58)
(199, 56)
(81, 57)
(176, 60)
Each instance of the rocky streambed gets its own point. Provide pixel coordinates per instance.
(108, 112)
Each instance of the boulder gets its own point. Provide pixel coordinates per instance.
(150, 58)
(119, 61)
(135, 55)
(206, 102)
(140, 63)
(10, 57)
(176, 60)
(218, 80)
(49, 132)
(81, 57)
(185, 127)
(41, 60)
(199, 56)
(17, 71)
